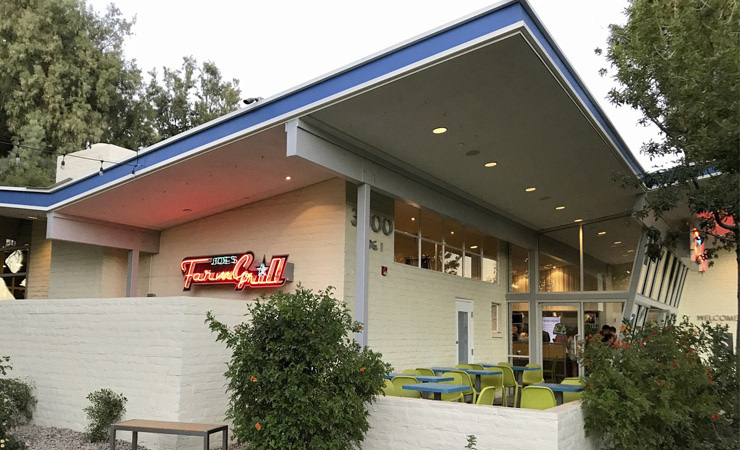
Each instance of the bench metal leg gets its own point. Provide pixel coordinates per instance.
(112, 438)
(134, 440)
(225, 445)
(207, 441)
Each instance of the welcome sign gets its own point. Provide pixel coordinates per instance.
(234, 269)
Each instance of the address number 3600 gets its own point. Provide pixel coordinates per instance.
(377, 223)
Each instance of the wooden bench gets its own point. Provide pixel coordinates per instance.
(180, 428)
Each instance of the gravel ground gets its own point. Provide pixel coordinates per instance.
(41, 438)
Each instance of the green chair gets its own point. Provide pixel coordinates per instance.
(475, 367)
(538, 397)
(388, 388)
(467, 380)
(532, 376)
(412, 372)
(425, 371)
(486, 396)
(496, 382)
(551, 371)
(507, 364)
(509, 382)
(463, 366)
(572, 396)
(453, 396)
(400, 382)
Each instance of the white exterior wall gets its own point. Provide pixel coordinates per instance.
(39, 262)
(412, 319)
(404, 423)
(307, 224)
(156, 351)
(85, 271)
(712, 293)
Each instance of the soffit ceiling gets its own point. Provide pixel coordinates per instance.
(242, 172)
(499, 103)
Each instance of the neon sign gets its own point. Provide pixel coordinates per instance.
(699, 254)
(234, 269)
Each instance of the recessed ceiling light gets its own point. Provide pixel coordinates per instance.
(630, 251)
(413, 218)
(530, 189)
(288, 178)
(439, 130)
(601, 233)
(617, 242)
(578, 220)
(490, 164)
(473, 247)
(32, 217)
(452, 232)
(560, 208)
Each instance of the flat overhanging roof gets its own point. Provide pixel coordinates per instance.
(494, 78)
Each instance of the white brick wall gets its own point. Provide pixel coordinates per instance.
(39, 262)
(412, 310)
(403, 423)
(155, 351)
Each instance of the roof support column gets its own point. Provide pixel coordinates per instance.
(132, 273)
(363, 261)
(635, 279)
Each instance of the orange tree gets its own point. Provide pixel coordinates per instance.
(673, 386)
(296, 377)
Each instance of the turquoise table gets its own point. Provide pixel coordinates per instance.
(436, 388)
(558, 389)
(422, 378)
(477, 373)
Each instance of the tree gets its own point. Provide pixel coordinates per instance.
(64, 82)
(677, 62)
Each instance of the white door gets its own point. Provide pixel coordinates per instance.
(464, 330)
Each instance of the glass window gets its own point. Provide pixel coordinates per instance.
(473, 240)
(609, 249)
(406, 218)
(494, 318)
(431, 226)
(559, 260)
(519, 342)
(431, 255)
(490, 259)
(472, 266)
(454, 234)
(518, 269)
(406, 249)
(453, 261)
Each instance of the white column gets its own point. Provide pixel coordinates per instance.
(363, 260)
(132, 273)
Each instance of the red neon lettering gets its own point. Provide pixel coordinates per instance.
(211, 270)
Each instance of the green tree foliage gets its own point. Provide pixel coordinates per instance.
(64, 82)
(659, 387)
(677, 62)
(297, 378)
(106, 408)
(17, 403)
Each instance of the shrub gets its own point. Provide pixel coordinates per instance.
(296, 377)
(673, 386)
(17, 403)
(106, 408)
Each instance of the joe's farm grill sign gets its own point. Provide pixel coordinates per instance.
(239, 270)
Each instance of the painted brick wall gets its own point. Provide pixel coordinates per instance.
(307, 224)
(403, 423)
(85, 271)
(412, 310)
(156, 351)
(39, 262)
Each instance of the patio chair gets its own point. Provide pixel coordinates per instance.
(475, 367)
(532, 376)
(486, 396)
(496, 382)
(389, 389)
(507, 364)
(400, 382)
(454, 396)
(412, 372)
(538, 397)
(425, 371)
(509, 382)
(572, 396)
(550, 372)
(467, 380)
(463, 366)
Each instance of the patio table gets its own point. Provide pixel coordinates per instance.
(436, 388)
(558, 389)
(477, 373)
(422, 378)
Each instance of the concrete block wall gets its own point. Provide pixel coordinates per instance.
(404, 423)
(412, 319)
(155, 351)
(82, 270)
(39, 262)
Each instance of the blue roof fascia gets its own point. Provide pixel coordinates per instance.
(445, 39)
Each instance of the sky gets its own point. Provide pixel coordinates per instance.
(272, 46)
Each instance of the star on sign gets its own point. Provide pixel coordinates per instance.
(262, 270)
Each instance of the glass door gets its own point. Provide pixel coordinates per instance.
(560, 327)
(464, 325)
(519, 342)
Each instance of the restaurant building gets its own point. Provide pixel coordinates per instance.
(456, 191)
